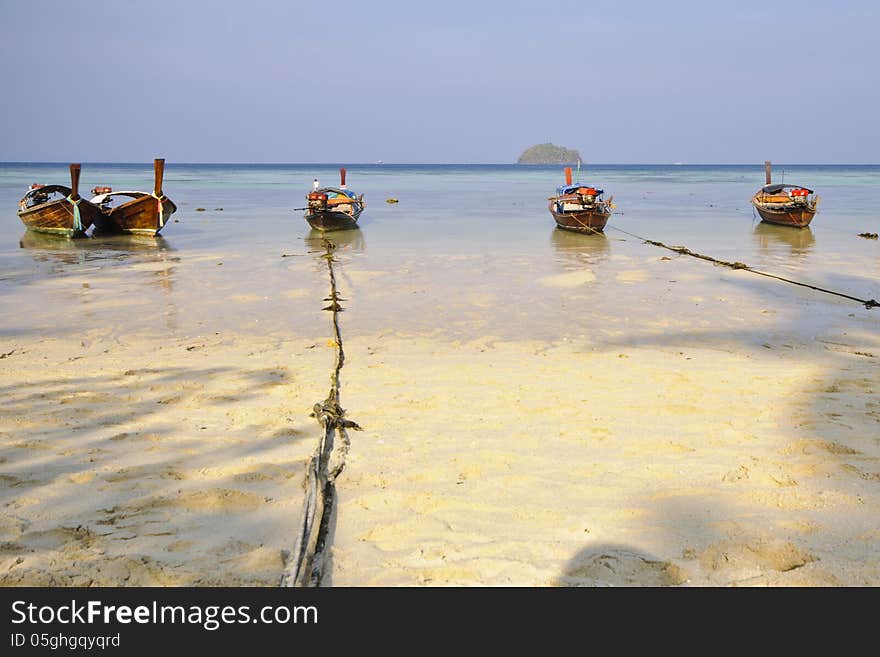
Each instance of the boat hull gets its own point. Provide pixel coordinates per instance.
(589, 221)
(140, 216)
(796, 217)
(326, 220)
(57, 218)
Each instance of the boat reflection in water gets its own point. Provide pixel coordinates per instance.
(51, 247)
(578, 248)
(769, 237)
(352, 239)
(110, 251)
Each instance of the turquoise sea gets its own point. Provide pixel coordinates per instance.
(468, 251)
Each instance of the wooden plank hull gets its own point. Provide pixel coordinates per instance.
(797, 217)
(326, 220)
(588, 221)
(57, 218)
(139, 216)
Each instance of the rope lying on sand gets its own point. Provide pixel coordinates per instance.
(868, 303)
(305, 567)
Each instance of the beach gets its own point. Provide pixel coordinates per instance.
(537, 408)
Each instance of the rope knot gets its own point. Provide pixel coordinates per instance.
(327, 412)
(160, 208)
(330, 414)
(77, 223)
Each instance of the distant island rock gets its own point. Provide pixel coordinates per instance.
(549, 154)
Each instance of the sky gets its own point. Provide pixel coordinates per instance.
(335, 81)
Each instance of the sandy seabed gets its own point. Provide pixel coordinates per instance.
(481, 463)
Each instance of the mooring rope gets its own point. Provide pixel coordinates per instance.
(585, 226)
(305, 566)
(868, 303)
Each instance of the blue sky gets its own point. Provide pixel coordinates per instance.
(343, 81)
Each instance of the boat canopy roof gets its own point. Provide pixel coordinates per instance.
(775, 189)
(337, 190)
(100, 198)
(48, 189)
(572, 189)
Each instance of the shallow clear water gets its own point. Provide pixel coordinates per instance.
(468, 251)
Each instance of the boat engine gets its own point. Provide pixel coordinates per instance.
(587, 194)
(105, 204)
(38, 198)
(317, 200)
(799, 195)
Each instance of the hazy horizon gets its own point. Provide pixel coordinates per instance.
(585, 165)
(272, 82)
(777, 165)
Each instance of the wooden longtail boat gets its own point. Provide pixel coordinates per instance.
(334, 208)
(580, 208)
(785, 205)
(58, 210)
(141, 213)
